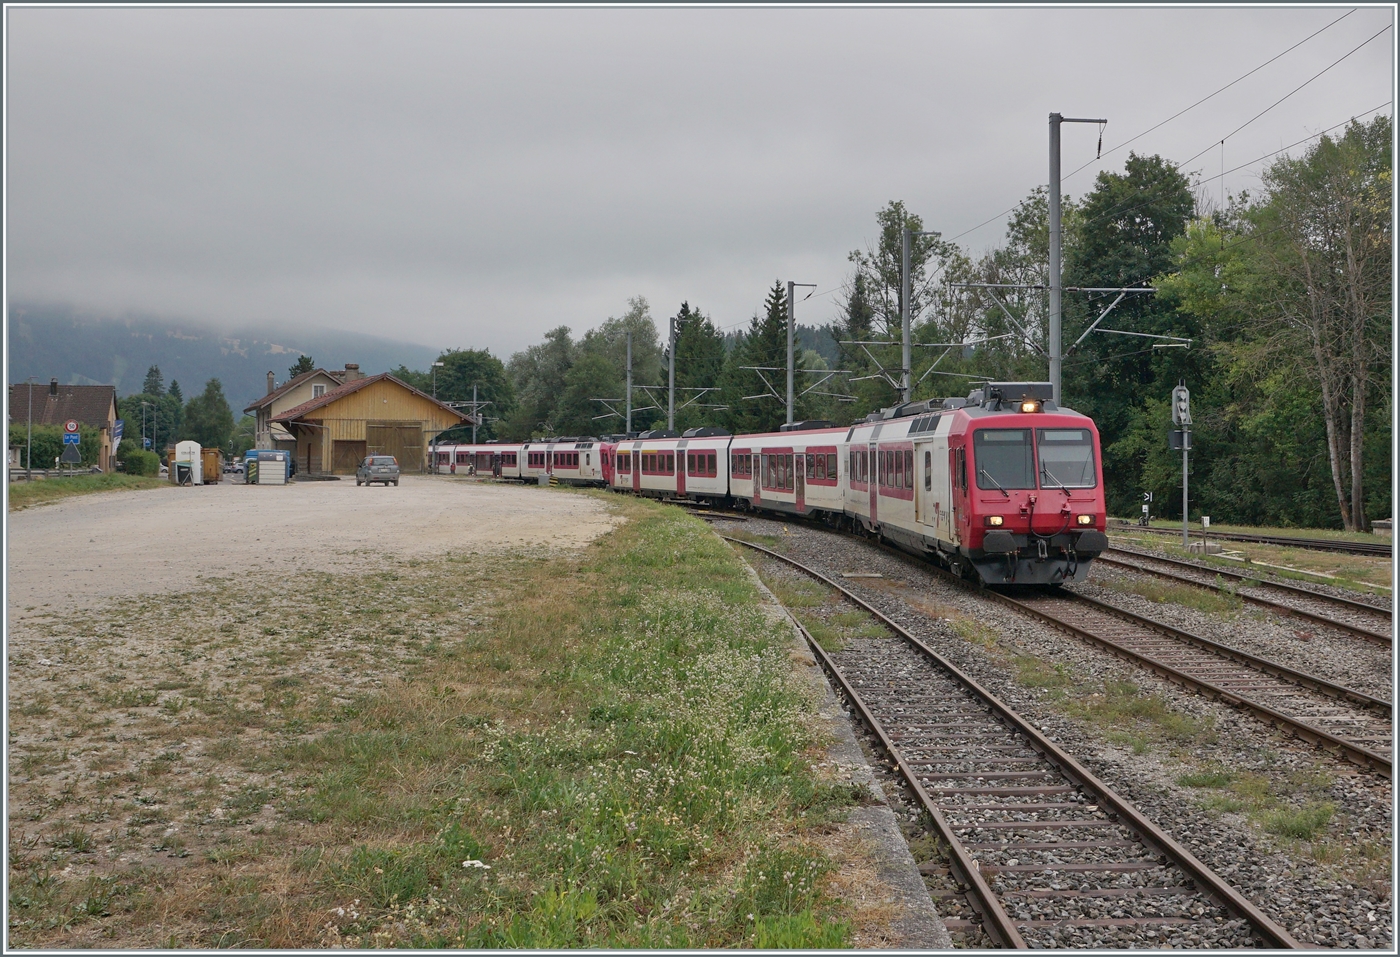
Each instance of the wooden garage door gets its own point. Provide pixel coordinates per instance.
(346, 456)
(402, 440)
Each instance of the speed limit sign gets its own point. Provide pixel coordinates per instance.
(71, 425)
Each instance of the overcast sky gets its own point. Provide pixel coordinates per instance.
(472, 177)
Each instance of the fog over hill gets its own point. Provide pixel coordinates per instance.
(57, 342)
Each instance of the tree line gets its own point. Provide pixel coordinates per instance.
(1284, 295)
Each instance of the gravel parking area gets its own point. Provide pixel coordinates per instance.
(80, 551)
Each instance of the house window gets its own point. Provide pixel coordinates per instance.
(317, 391)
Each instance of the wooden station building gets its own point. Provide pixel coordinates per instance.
(372, 415)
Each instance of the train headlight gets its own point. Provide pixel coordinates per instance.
(993, 520)
(1086, 520)
(1030, 405)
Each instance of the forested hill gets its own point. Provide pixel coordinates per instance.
(48, 342)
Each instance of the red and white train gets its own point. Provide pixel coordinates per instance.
(1002, 485)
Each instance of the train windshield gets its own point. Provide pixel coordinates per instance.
(1066, 458)
(1004, 458)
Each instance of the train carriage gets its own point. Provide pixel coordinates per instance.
(497, 459)
(1004, 484)
(795, 470)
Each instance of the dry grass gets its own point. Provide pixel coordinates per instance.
(28, 494)
(303, 762)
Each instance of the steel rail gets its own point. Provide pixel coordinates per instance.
(1148, 832)
(1358, 630)
(1353, 752)
(1315, 544)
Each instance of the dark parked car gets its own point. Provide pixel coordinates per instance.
(378, 468)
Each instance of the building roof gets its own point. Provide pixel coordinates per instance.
(292, 383)
(354, 386)
(55, 404)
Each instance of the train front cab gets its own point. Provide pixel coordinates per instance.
(1025, 493)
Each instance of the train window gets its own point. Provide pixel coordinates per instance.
(908, 468)
(1003, 458)
(898, 470)
(819, 469)
(1066, 458)
(928, 471)
(831, 465)
(811, 466)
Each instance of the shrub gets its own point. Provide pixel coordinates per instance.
(140, 462)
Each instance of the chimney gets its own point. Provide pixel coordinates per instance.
(352, 371)
(53, 387)
(271, 383)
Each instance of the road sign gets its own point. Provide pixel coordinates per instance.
(1144, 510)
(1147, 496)
(71, 454)
(72, 438)
(71, 425)
(1205, 521)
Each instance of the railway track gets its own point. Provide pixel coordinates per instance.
(1354, 617)
(1043, 852)
(1343, 721)
(1383, 549)
(1346, 722)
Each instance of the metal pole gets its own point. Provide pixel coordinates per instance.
(671, 379)
(1185, 528)
(789, 352)
(29, 440)
(906, 388)
(1054, 342)
(628, 430)
(476, 414)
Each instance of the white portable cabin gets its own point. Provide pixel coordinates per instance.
(188, 460)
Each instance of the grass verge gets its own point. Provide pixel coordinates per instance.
(27, 494)
(590, 749)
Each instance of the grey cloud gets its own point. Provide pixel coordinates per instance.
(475, 176)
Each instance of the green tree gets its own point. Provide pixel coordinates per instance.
(700, 356)
(538, 376)
(757, 367)
(303, 364)
(609, 341)
(463, 368)
(208, 419)
(1296, 288)
(244, 436)
(590, 377)
(1127, 226)
(422, 381)
(175, 392)
(162, 418)
(155, 382)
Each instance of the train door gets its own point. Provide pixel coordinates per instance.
(760, 474)
(637, 468)
(873, 479)
(957, 482)
(799, 486)
(682, 467)
(923, 483)
(496, 465)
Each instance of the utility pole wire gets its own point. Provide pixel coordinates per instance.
(1290, 93)
(1216, 93)
(1167, 120)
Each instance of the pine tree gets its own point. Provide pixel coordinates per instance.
(155, 382)
(302, 365)
(763, 346)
